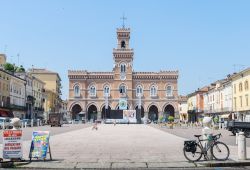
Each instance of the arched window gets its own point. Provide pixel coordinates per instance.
(123, 44)
(139, 90)
(106, 90)
(122, 89)
(123, 68)
(92, 91)
(77, 91)
(246, 85)
(240, 87)
(153, 91)
(169, 91)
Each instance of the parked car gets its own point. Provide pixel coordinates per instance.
(27, 121)
(5, 121)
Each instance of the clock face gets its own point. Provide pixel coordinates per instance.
(123, 77)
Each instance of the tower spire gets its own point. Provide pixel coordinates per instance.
(123, 21)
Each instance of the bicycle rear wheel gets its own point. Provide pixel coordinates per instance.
(193, 156)
(220, 151)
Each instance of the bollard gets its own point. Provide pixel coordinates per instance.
(219, 124)
(3, 125)
(207, 135)
(242, 154)
(31, 123)
(25, 124)
(236, 138)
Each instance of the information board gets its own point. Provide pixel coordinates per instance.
(12, 144)
(39, 144)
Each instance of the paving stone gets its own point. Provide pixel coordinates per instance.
(129, 165)
(170, 164)
(93, 165)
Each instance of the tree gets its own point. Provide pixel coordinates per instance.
(20, 69)
(9, 67)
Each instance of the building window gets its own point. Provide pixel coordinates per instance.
(122, 89)
(234, 88)
(246, 100)
(246, 85)
(240, 87)
(153, 91)
(123, 68)
(123, 44)
(169, 91)
(139, 90)
(106, 91)
(77, 91)
(92, 91)
(235, 103)
(240, 101)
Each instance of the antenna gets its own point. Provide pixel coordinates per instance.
(18, 55)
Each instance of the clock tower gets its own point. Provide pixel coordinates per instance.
(123, 62)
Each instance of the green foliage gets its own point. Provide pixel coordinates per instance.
(216, 119)
(170, 118)
(9, 67)
(161, 118)
(20, 69)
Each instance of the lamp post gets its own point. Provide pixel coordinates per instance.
(139, 106)
(106, 104)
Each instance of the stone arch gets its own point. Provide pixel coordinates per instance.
(153, 112)
(75, 110)
(139, 111)
(169, 110)
(92, 112)
(105, 112)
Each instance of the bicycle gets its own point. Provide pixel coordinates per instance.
(194, 150)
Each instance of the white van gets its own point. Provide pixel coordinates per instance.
(5, 121)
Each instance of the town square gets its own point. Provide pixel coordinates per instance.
(124, 85)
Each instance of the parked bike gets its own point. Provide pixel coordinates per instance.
(193, 150)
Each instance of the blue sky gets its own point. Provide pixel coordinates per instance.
(204, 40)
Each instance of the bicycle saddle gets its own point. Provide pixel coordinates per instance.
(197, 136)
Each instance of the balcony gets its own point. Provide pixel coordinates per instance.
(16, 107)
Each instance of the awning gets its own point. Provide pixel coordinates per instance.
(225, 116)
(4, 113)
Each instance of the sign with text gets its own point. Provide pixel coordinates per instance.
(130, 115)
(12, 144)
(39, 144)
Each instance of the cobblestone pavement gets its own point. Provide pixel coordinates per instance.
(189, 132)
(120, 146)
(27, 132)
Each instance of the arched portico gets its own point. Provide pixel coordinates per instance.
(153, 113)
(76, 109)
(92, 112)
(106, 112)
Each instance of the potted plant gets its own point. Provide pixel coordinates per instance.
(171, 121)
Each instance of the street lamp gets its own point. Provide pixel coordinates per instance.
(106, 104)
(139, 106)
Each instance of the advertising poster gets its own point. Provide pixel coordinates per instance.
(123, 104)
(12, 144)
(130, 115)
(39, 144)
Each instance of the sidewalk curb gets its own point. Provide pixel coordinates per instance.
(7, 164)
(225, 164)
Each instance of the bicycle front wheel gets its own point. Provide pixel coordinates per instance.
(193, 156)
(220, 151)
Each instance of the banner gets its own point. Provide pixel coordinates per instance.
(12, 144)
(123, 105)
(39, 144)
(130, 115)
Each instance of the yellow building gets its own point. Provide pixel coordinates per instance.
(4, 93)
(241, 93)
(52, 87)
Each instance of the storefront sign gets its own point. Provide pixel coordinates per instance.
(130, 115)
(12, 144)
(39, 144)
